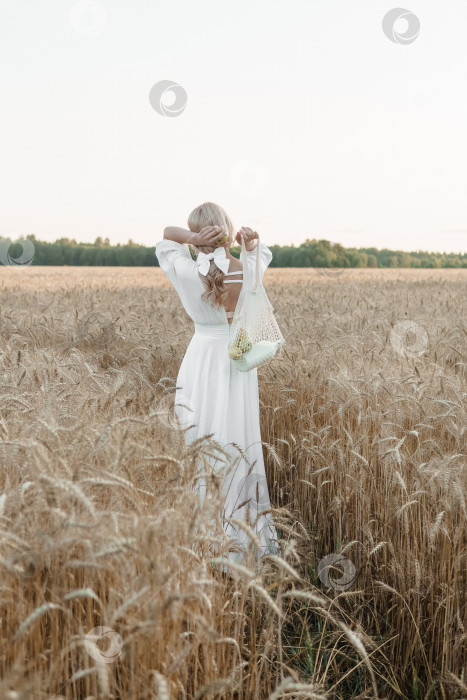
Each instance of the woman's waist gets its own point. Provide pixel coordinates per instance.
(213, 329)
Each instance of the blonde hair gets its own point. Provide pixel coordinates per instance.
(210, 214)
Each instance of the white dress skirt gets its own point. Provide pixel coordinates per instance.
(214, 397)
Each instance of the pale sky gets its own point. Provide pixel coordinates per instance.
(302, 119)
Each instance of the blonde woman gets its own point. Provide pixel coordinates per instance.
(212, 395)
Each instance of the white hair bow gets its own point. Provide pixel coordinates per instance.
(219, 257)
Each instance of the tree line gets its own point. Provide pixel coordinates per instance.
(311, 253)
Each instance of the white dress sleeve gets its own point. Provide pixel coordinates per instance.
(171, 256)
(265, 257)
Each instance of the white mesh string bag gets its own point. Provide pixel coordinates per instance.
(254, 335)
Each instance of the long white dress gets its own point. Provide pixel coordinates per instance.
(214, 397)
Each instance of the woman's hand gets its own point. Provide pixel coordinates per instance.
(249, 236)
(209, 235)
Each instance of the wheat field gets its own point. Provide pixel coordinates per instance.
(112, 583)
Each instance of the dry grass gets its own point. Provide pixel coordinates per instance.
(364, 425)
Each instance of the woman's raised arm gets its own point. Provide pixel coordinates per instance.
(207, 236)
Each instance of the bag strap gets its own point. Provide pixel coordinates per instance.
(244, 250)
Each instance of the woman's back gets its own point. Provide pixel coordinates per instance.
(179, 267)
(233, 293)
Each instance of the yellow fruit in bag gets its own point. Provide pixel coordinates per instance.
(242, 337)
(241, 345)
(235, 353)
